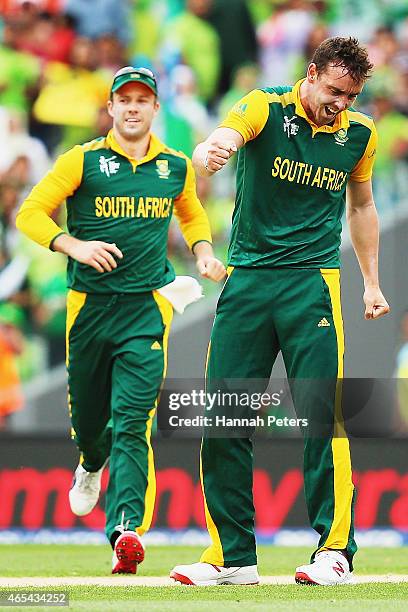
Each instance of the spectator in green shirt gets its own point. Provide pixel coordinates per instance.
(19, 72)
(198, 44)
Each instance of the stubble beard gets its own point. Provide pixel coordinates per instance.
(133, 134)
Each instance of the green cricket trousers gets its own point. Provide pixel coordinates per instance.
(116, 360)
(262, 311)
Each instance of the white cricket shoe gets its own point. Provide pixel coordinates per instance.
(206, 574)
(84, 493)
(329, 568)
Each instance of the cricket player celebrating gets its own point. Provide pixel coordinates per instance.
(120, 192)
(299, 147)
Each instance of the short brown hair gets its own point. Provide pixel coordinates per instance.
(345, 52)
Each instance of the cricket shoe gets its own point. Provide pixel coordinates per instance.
(84, 493)
(128, 553)
(206, 574)
(328, 569)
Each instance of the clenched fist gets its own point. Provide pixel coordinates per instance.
(211, 267)
(218, 153)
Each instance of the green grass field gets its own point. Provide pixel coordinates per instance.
(65, 560)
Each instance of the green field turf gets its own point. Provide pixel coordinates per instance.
(66, 560)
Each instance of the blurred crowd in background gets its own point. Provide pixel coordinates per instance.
(57, 59)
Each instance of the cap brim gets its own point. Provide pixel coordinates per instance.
(134, 78)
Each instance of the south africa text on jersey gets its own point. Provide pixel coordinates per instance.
(130, 206)
(306, 174)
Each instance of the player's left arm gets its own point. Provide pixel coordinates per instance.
(363, 223)
(362, 219)
(195, 228)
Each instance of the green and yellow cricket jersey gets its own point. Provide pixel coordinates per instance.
(117, 199)
(291, 179)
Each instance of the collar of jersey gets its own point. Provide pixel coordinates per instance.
(155, 147)
(341, 121)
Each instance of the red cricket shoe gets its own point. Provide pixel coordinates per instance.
(128, 553)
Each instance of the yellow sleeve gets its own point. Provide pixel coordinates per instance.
(363, 170)
(34, 217)
(249, 115)
(190, 213)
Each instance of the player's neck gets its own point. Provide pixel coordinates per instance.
(134, 149)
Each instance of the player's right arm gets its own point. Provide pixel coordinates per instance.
(35, 215)
(212, 154)
(243, 123)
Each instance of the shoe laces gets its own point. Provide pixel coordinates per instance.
(122, 525)
(328, 554)
(88, 481)
(321, 555)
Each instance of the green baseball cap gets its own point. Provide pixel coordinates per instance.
(129, 74)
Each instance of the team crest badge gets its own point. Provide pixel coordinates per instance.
(341, 137)
(162, 168)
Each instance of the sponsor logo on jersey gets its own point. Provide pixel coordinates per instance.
(156, 346)
(341, 137)
(290, 129)
(240, 109)
(162, 168)
(108, 166)
(323, 323)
